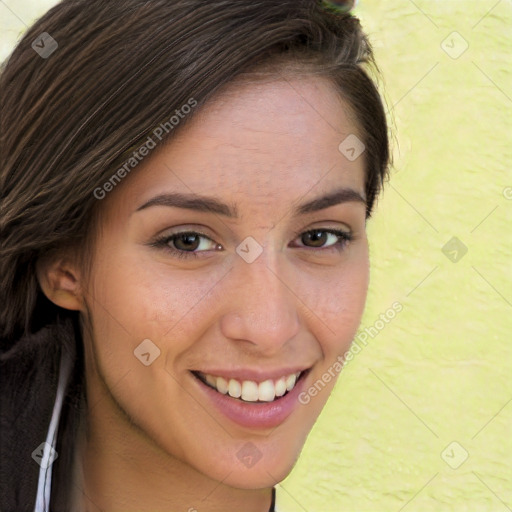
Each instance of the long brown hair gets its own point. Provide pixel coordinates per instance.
(121, 68)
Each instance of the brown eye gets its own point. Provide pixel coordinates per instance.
(325, 239)
(187, 241)
(317, 238)
(186, 244)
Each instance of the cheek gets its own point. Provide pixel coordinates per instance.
(336, 300)
(336, 316)
(132, 300)
(150, 299)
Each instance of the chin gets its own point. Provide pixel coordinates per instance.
(260, 476)
(259, 464)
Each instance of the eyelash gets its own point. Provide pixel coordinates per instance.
(345, 237)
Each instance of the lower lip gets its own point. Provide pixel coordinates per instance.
(255, 414)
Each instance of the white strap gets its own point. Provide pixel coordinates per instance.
(44, 483)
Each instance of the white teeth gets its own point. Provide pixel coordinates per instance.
(290, 381)
(251, 391)
(211, 380)
(235, 389)
(222, 385)
(281, 387)
(266, 391)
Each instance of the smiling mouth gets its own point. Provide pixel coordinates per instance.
(267, 391)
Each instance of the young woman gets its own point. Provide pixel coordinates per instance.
(185, 187)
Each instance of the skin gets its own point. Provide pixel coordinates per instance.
(153, 440)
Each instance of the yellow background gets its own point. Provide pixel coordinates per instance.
(441, 370)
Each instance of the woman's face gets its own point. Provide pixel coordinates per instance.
(247, 295)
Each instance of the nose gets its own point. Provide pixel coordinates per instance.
(261, 308)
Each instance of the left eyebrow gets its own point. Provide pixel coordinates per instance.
(342, 195)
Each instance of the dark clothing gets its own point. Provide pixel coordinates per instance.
(29, 373)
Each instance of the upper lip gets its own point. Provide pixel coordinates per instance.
(255, 375)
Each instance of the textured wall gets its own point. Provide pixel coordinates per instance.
(440, 371)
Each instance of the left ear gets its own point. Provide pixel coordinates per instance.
(60, 280)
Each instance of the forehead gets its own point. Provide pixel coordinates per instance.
(275, 117)
(257, 138)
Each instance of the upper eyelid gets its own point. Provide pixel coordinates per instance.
(330, 230)
(296, 232)
(345, 229)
